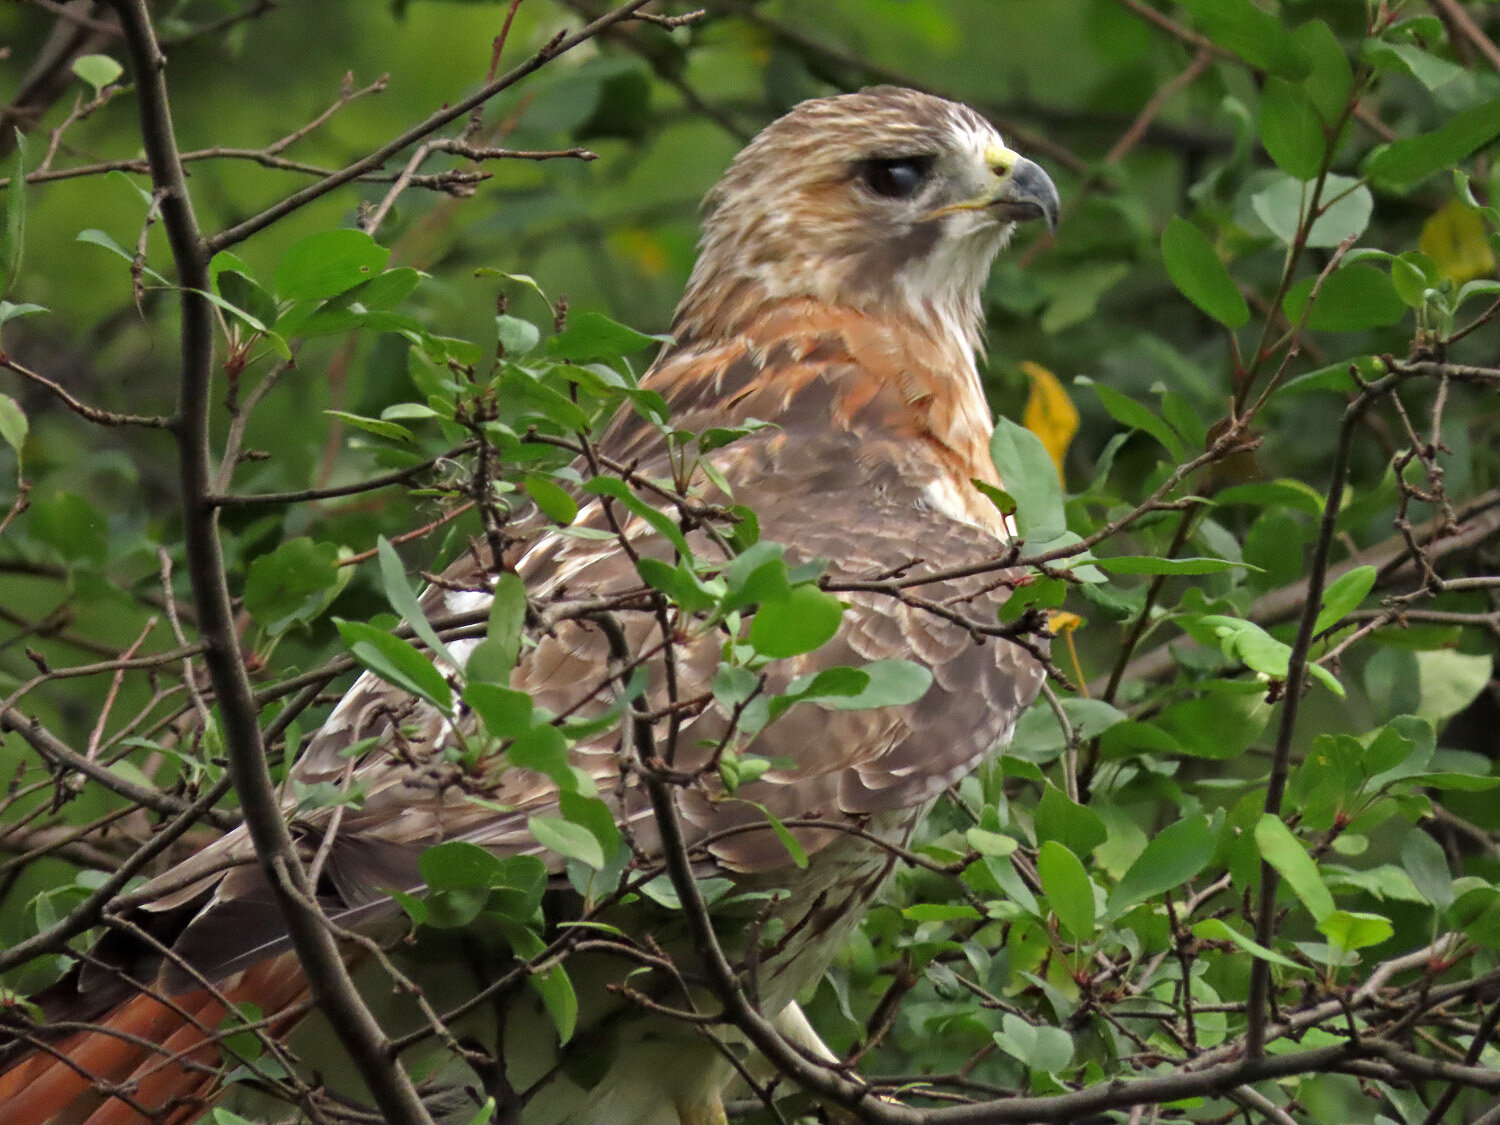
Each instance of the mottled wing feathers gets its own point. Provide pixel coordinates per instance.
(864, 368)
(847, 766)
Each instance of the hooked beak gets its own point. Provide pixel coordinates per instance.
(1025, 192)
(1021, 190)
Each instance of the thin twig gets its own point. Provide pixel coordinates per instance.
(60, 755)
(1458, 16)
(357, 1029)
(92, 413)
(417, 133)
(1265, 915)
(305, 495)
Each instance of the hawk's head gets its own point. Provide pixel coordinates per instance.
(888, 200)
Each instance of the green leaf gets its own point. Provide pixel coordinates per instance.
(1285, 853)
(1248, 642)
(733, 685)
(1196, 270)
(1151, 564)
(941, 912)
(1290, 129)
(254, 322)
(396, 661)
(1407, 162)
(71, 526)
(520, 278)
(1004, 502)
(460, 864)
(1172, 857)
(1241, 640)
(256, 307)
(1132, 737)
(1463, 782)
(1128, 412)
(385, 290)
(1044, 593)
(1044, 1049)
(790, 842)
(516, 336)
(1350, 929)
(557, 993)
(99, 238)
(717, 437)
(504, 712)
(1216, 929)
(1252, 33)
(1405, 58)
(544, 748)
(374, 426)
(757, 574)
(404, 602)
(677, 582)
(591, 335)
(1077, 827)
(990, 843)
(1285, 493)
(13, 244)
(1030, 477)
(1354, 298)
(97, 70)
(1449, 681)
(1424, 860)
(573, 841)
(829, 684)
(290, 584)
(13, 425)
(1280, 206)
(594, 815)
(552, 498)
(1068, 889)
(888, 683)
(408, 411)
(804, 619)
(661, 891)
(328, 263)
(663, 524)
(9, 311)
(1343, 596)
(465, 880)
(1332, 77)
(323, 794)
(493, 658)
(1039, 737)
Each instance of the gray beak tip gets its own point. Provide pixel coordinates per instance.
(1029, 193)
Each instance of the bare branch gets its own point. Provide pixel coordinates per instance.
(420, 132)
(361, 1035)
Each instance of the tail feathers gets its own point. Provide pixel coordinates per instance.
(147, 1060)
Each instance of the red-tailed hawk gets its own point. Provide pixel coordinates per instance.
(837, 296)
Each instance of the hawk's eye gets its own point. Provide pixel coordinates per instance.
(899, 177)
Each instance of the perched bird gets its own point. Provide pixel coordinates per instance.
(837, 297)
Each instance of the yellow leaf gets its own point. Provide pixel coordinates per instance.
(1050, 413)
(1454, 239)
(1060, 621)
(643, 248)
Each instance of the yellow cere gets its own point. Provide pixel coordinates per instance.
(1001, 159)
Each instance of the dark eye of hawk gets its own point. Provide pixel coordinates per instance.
(896, 177)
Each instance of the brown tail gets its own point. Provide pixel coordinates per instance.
(149, 1059)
